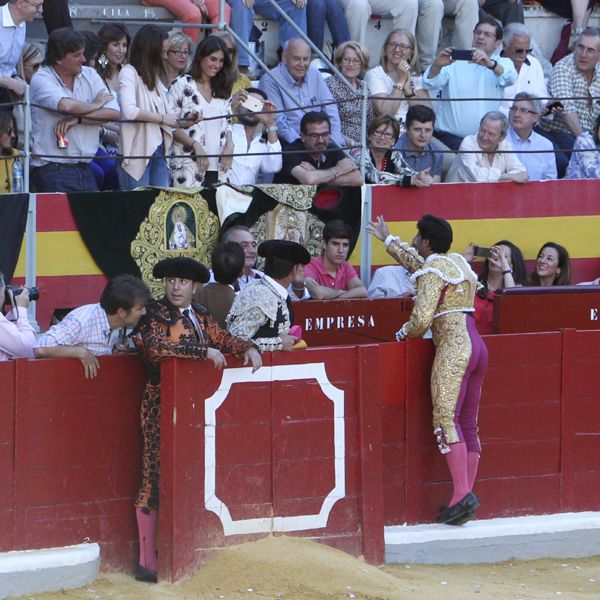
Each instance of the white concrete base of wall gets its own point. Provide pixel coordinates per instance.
(48, 570)
(565, 535)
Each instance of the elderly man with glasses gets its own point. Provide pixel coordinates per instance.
(487, 156)
(534, 151)
(483, 74)
(316, 159)
(575, 80)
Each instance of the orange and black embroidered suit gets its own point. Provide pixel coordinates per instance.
(164, 332)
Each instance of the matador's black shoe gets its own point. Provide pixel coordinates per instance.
(470, 516)
(457, 513)
(145, 575)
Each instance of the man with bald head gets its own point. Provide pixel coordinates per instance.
(242, 20)
(307, 87)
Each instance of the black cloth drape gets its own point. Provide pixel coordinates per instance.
(13, 219)
(108, 222)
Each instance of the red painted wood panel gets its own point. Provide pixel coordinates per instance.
(78, 453)
(488, 200)
(7, 455)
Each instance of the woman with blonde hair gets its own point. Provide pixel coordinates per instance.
(179, 54)
(396, 82)
(352, 60)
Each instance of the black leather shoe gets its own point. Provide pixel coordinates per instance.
(468, 516)
(145, 575)
(459, 510)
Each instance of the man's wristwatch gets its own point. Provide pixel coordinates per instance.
(493, 66)
(272, 128)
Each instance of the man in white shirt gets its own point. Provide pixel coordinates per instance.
(487, 156)
(13, 17)
(530, 74)
(253, 154)
(66, 87)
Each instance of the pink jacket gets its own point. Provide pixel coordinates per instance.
(17, 336)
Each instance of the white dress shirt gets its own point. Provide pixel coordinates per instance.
(247, 162)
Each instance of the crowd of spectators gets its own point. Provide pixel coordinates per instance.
(111, 110)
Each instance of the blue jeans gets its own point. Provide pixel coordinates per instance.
(242, 19)
(156, 173)
(320, 11)
(60, 177)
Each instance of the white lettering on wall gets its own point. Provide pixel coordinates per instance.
(593, 314)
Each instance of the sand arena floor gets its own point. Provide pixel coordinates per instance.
(287, 568)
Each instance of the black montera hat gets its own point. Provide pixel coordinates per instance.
(286, 250)
(183, 267)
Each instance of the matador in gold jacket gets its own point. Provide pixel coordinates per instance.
(446, 288)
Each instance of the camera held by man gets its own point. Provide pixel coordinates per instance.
(17, 336)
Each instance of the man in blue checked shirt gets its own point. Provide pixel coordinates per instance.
(98, 329)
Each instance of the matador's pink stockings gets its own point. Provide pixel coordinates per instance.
(147, 531)
(457, 463)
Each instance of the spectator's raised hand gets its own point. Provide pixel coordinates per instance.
(469, 252)
(480, 58)
(237, 99)
(444, 58)
(21, 299)
(267, 117)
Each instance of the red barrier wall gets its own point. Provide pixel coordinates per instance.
(348, 429)
(75, 456)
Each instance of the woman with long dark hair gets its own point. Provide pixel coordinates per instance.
(115, 43)
(552, 267)
(203, 96)
(146, 138)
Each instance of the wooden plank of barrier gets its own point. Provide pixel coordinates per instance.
(528, 310)
(7, 455)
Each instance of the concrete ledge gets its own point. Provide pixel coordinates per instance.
(565, 535)
(48, 570)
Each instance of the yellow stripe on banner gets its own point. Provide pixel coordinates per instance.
(578, 234)
(60, 253)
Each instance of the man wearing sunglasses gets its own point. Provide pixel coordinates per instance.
(314, 159)
(516, 44)
(13, 16)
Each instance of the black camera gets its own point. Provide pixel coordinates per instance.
(34, 293)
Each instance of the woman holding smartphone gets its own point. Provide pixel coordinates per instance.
(143, 99)
(203, 99)
(504, 268)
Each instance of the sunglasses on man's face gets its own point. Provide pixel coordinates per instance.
(9, 131)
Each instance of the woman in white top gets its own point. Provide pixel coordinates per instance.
(204, 95)
(396, 78)
(143, 99)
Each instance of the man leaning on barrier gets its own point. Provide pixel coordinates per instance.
(17, 336)
(69, 103)
(98, 329)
